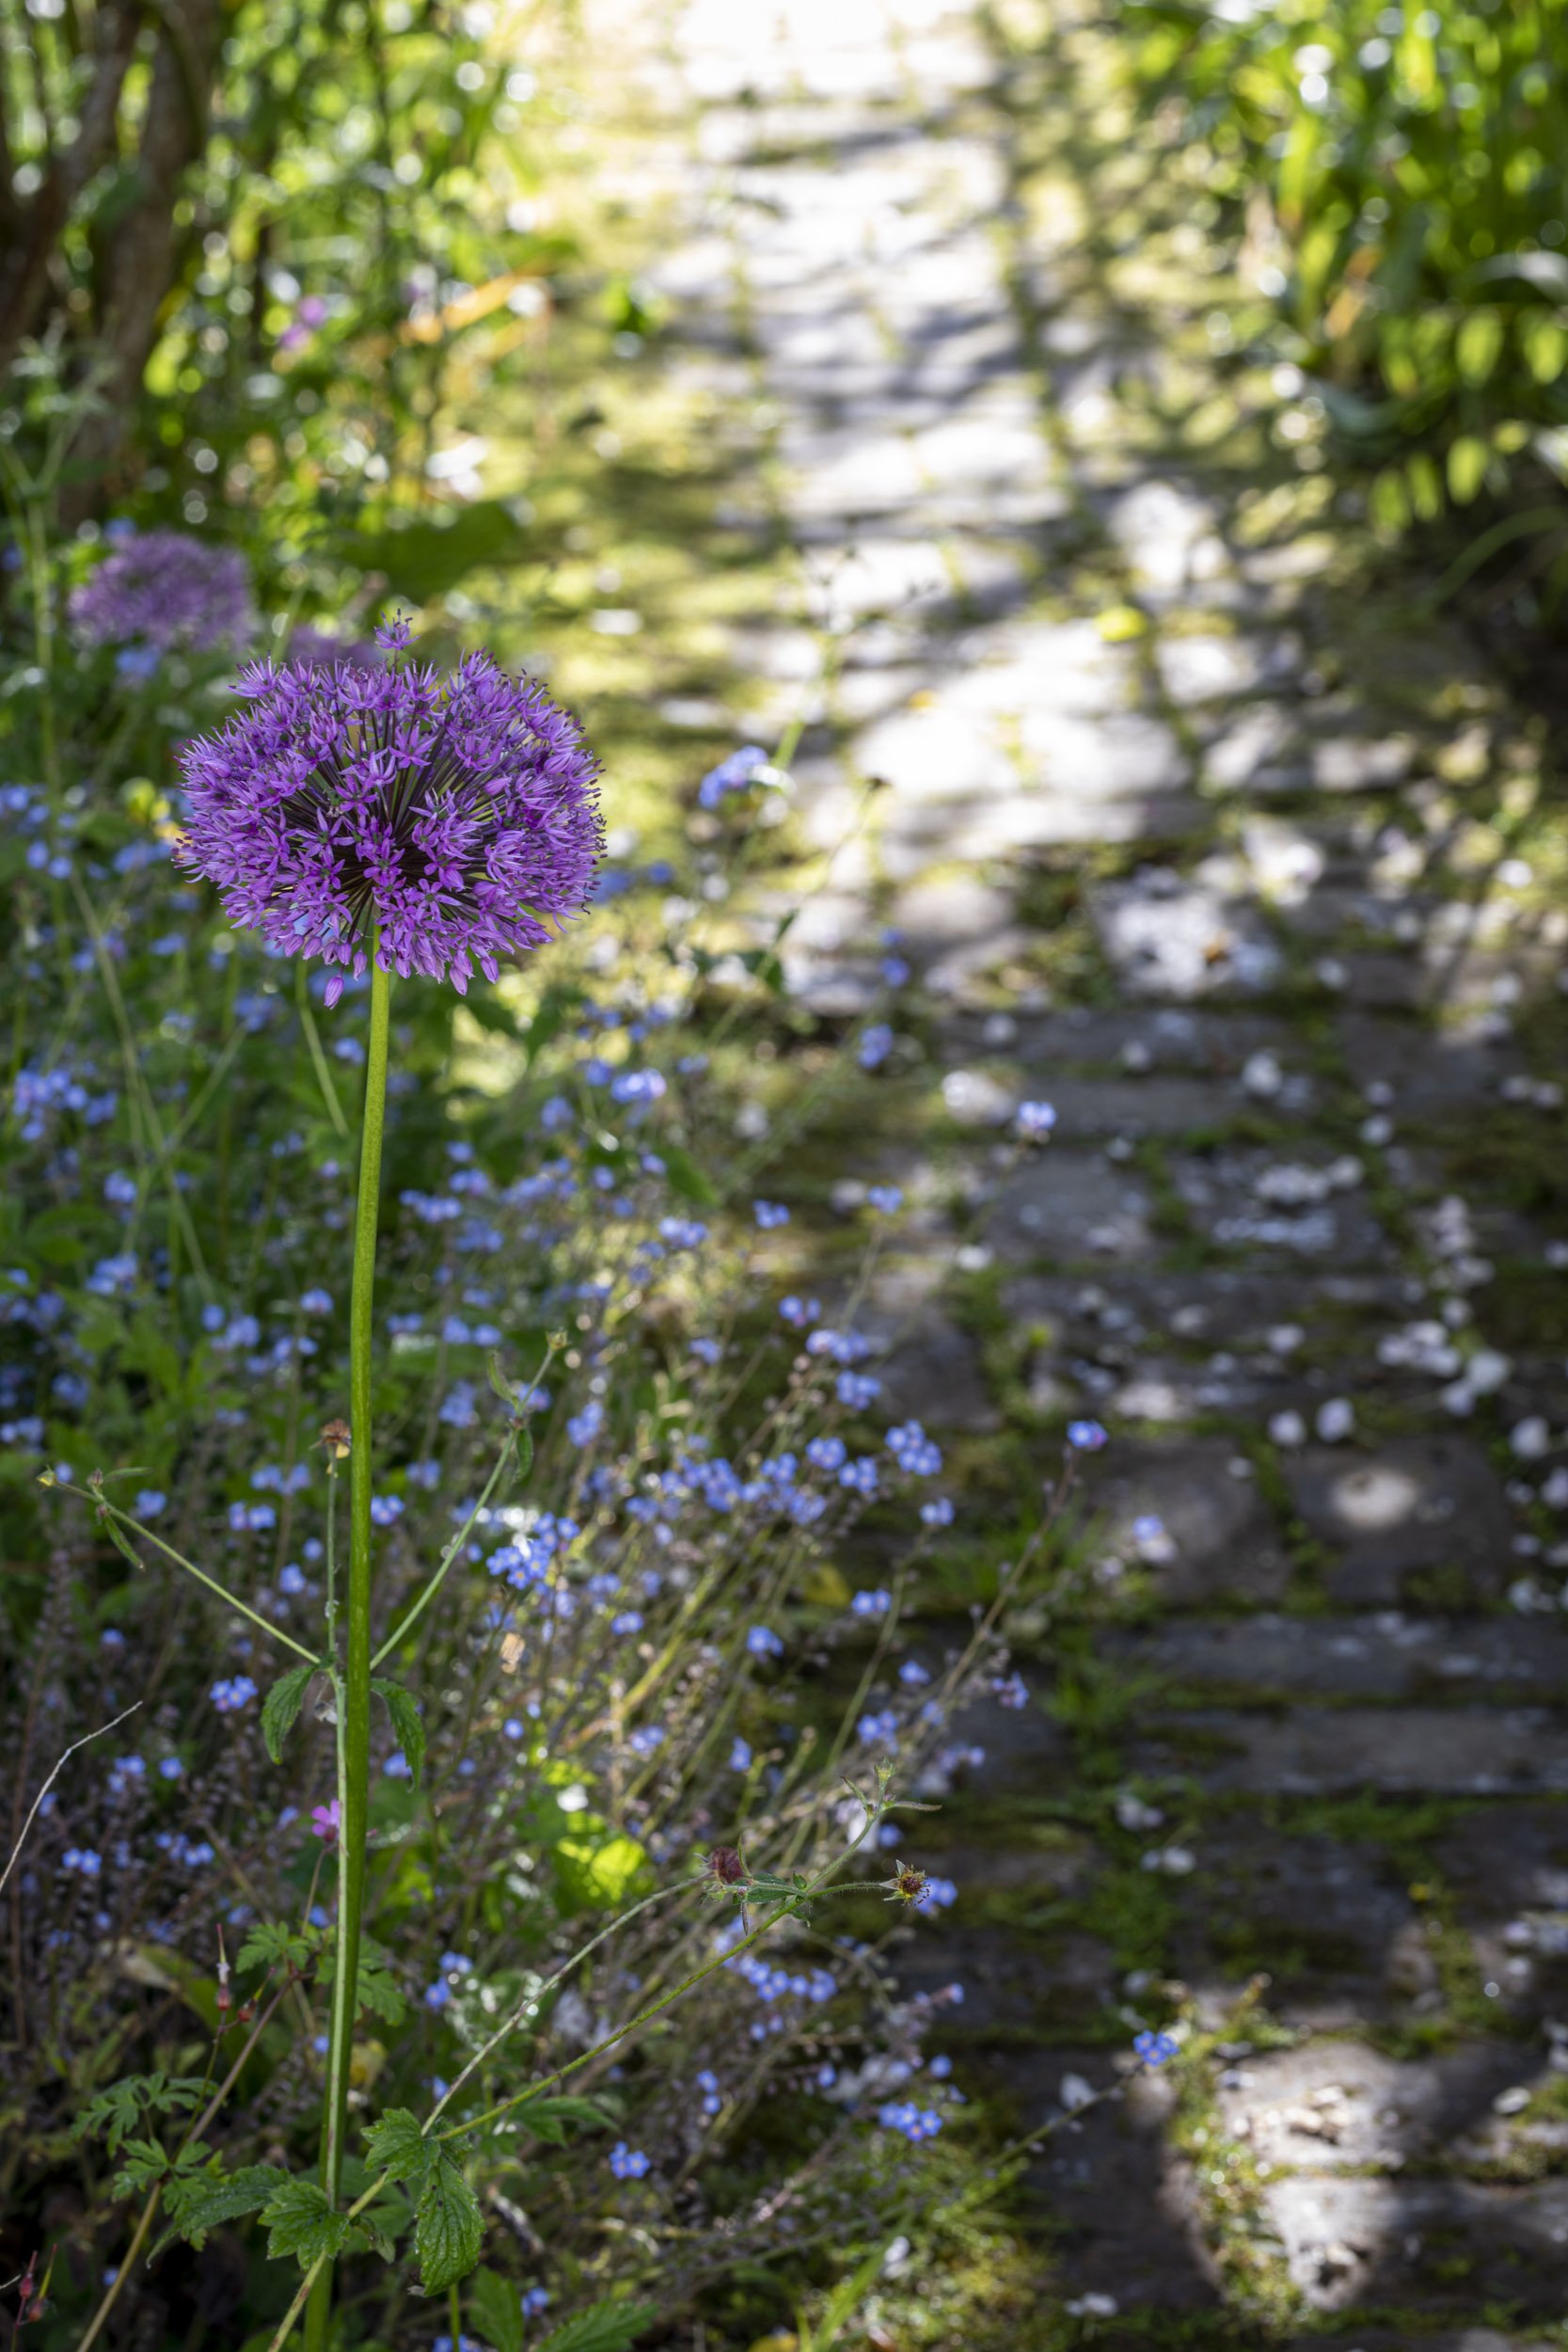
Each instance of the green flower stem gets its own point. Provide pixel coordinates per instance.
(354, 1706)
(113, 1520)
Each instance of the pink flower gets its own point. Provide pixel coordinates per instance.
(324, 1822)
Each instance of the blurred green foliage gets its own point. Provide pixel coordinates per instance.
(349, 188)
(1398, 177)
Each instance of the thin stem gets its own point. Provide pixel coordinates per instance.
(115, 1519)
(82, 1743)
(193, 2131)
(876, 1810)
(307, 2285)
(111, 2293)
(318, 1059)
(354, 1706)
(531, 2003)
(447, 1558)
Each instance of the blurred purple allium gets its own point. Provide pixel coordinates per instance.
(455, 817)
(314, 647)
(164, 589)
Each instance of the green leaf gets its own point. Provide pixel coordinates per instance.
(301, 2222)
(405, 1722)
(269, 1945)
(603, 2327)
(375, 2232)
(144, 2162)
(687, 1178)
(395, 2145)
(549, 2119)
(448, 2228)
(496, 2308)
(199, 2205)
(378, 1989)
(423, 560)
(282, 1705)
(116, 2110)
(599, 1873)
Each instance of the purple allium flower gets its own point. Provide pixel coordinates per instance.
(445, 822)
(165, 589)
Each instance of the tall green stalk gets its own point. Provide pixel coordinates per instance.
(354, 1683)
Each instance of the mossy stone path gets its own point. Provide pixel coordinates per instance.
(1195, 824)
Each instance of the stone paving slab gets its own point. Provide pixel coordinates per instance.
(1385, 1656)
(1409, 2241)
(1415, 1503)
(1340, 2105)
(1425, 1750)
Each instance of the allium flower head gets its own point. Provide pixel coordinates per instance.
(444, 821)
(164, 589)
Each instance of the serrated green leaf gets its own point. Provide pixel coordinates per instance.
(496, 2308)
(301, 2222)
(551, 2119)
(144, 2162)
(395, 2145)
(282, 1704)
(116, 2110)
(448, 2228)
(405, 1722)
(197, 2206)
(269, 1945)
(378, 1989)
(603, 2327)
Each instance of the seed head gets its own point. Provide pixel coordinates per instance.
(908, 1885)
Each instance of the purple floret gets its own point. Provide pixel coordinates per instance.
(445, 822)
(164, 589)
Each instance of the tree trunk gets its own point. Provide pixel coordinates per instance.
(139, 254)
(29, 232)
